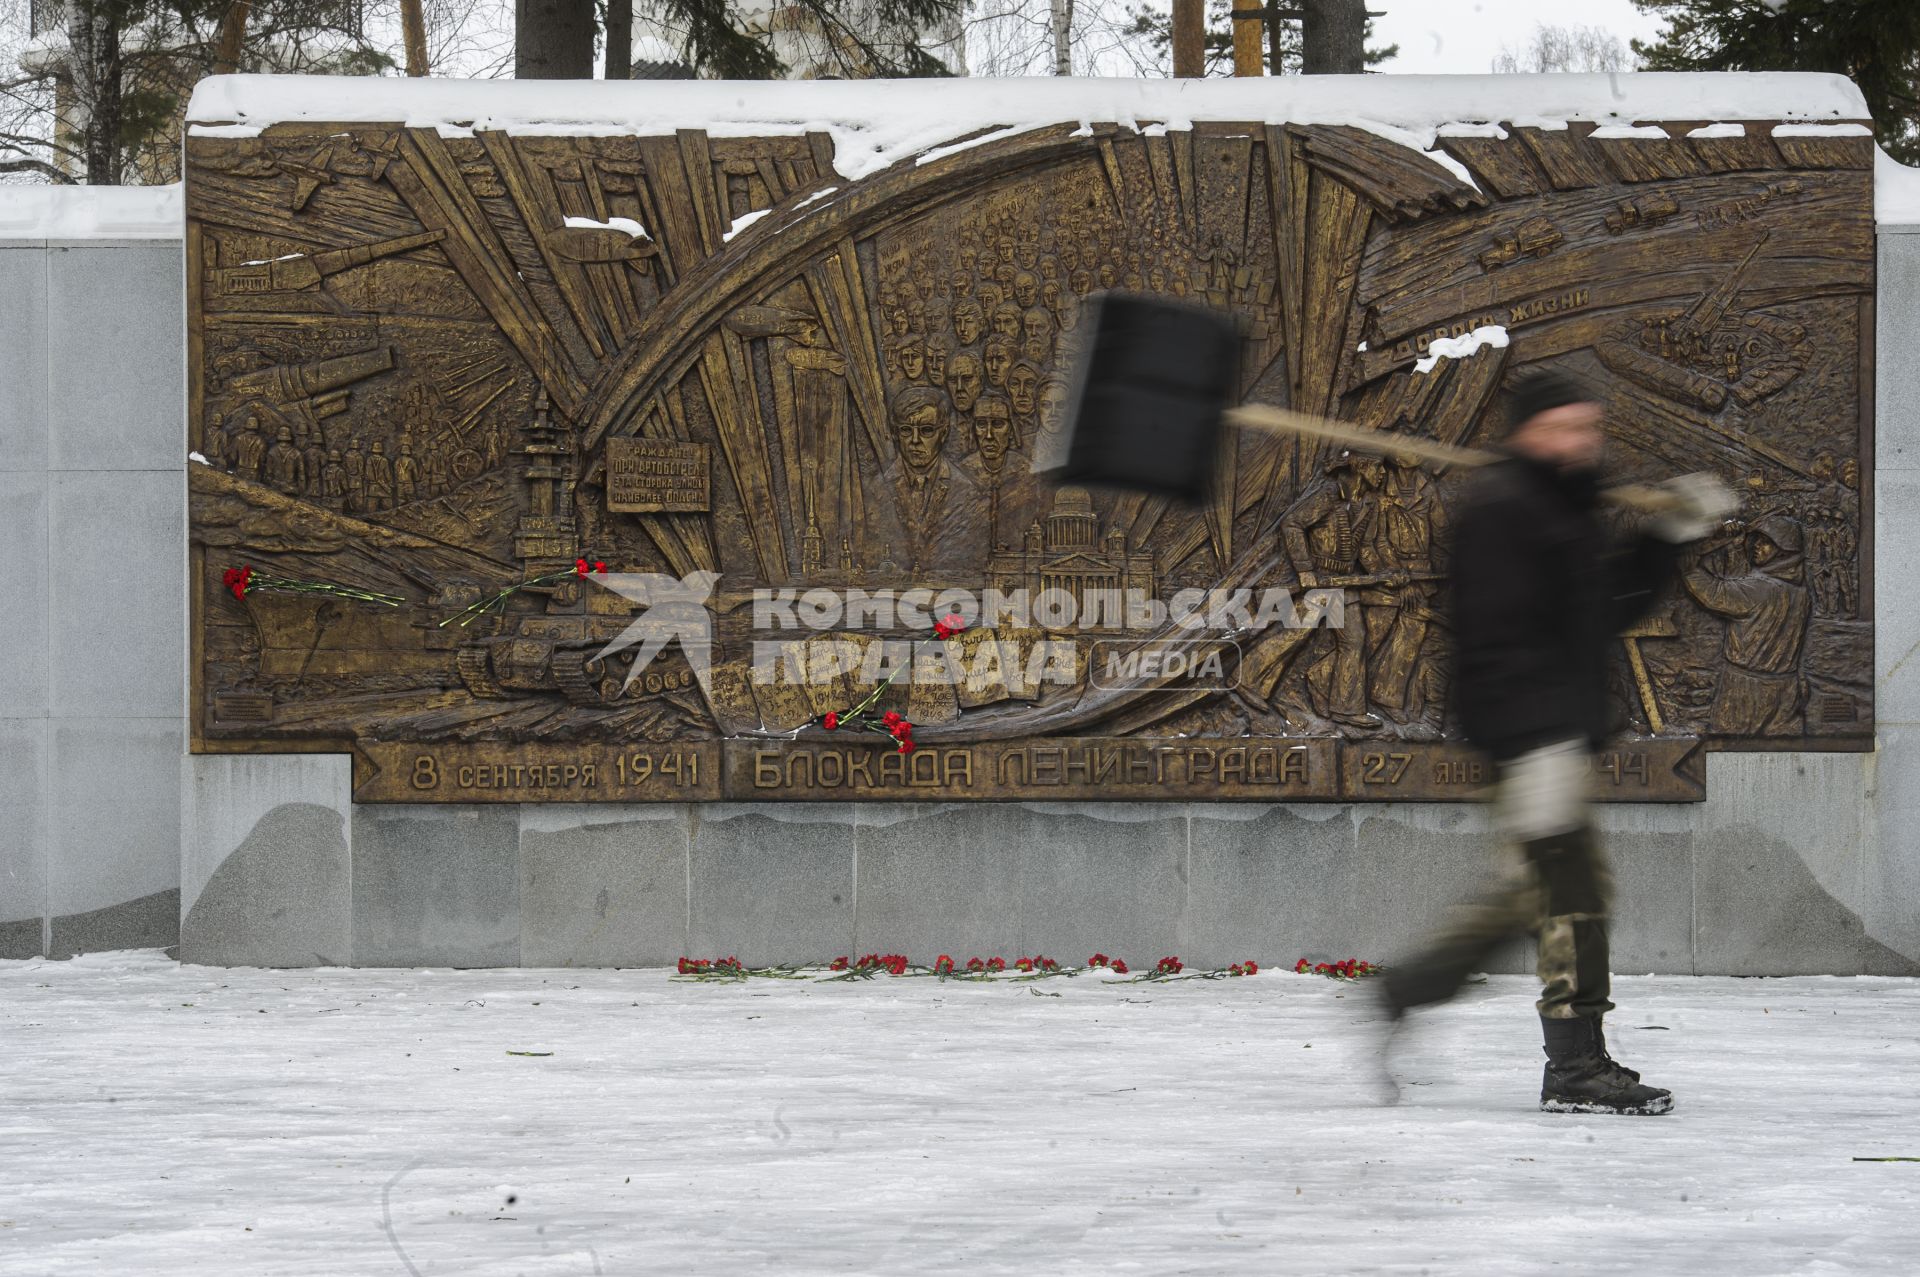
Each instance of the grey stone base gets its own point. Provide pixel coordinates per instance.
(1768, 915)
(23, 939)
(603, 886)
(265, 870)
(151, 922)
(311, 879)
(436, 886)
(280, 899)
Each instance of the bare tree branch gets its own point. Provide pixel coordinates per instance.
(1569, 48)
(44, 169)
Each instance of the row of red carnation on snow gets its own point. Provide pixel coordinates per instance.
(946, 965)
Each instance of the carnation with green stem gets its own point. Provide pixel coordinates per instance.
(474, 611)
(246, 579)
(892, 722)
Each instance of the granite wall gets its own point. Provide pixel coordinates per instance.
(93, 552)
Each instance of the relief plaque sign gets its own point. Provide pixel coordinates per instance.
(657, 476)
(585, 464)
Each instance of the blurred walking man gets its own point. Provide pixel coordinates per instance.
(1539, 594)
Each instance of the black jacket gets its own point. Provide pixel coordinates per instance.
(1539, 595)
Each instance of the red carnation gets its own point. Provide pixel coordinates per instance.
(906, 746)
(996, 964)
(943, 965)
(1097, 960)
(832, 720)
(1023, 964)
(838, 964)
(1253, 968)
(1119, 967)
(580, 566)
(891, 717)
(1300, 967)
(598, 566)
(975, 964)
(683, 966)
(1236, 969)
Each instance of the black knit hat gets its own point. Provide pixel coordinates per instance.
(1537, 392)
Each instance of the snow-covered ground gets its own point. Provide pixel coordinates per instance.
(158, 1119)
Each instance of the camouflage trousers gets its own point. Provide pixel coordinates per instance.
(1555, 883)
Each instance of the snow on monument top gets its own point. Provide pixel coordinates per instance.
(1896, 192)
(877, 123)
(91, 212)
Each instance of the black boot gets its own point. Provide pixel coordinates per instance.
(1581, 1077)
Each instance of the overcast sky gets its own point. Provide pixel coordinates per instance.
(1463, 36)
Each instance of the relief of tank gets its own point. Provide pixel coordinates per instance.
(560, 652)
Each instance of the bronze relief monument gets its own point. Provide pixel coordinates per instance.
(442, 365)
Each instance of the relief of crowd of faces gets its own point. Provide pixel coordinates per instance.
(987, 317)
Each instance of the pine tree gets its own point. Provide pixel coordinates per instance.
(100, 100)
(1875, 43)
(1285, 48)
(853, 38)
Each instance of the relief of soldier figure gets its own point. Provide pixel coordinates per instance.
(1832, 536)
(1757, 585)
(1374, 527)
